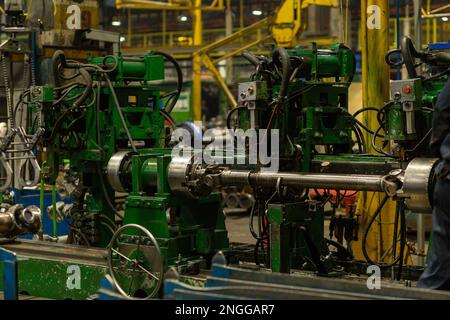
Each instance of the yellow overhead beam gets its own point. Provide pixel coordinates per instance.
(241, 49)
(324, 3)
(437, 10)
(236, 35)
(215, 5)
(201, 56)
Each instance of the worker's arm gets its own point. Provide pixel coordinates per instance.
(440, 139)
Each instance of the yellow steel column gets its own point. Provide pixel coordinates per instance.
(164, 28)
(435, 35)
(228, 32)
(375, 84)
(428, 39)
(197, 60)
(129, 27)
(241, 14)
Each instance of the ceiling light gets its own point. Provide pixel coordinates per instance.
(445, 19)
(116, 23)
(257, 12)
(122, 39)
(183, 18)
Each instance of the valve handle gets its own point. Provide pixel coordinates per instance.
(127, 259)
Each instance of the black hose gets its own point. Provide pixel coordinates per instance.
(342, 251)
(168, 118)
(179, 79)
(18, 104)
(395, 233)
(374, 144)
(250, 223)
(58, 59)
(115, 65)
(369, 225)
(261, 69)
(97, 117)
(119, 111)
(65, 93)
(437, 76)
(281, 55)
(362, 125)
(359, 123)
(409, 53)
(75, 106)
(231, 112)
(366, 232)
(365, 110)
(255, 252)
(359, 138)
(250, 58)
(87, 77)
(402, 239)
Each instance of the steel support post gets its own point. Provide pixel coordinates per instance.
(375, 79)
(418, 36)
(197, 60)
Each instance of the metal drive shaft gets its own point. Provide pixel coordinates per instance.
(305, 180)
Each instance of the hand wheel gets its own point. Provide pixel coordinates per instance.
(135, 262)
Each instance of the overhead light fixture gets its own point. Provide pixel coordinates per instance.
(257, 12)
(116, 23)
(445, 19)
(122, 39)
(183, 18)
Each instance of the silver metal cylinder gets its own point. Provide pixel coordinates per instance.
(17, 220)
(418, 184)
(235, 177)
(6, 223)
(304, 180)
(178, 174)
(114, 170)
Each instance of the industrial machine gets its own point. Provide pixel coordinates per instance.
(302, 95)
(406, 121)
(104, 127)
(105, 136)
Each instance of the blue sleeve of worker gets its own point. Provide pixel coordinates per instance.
(440, 139)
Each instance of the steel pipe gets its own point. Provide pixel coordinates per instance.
(305, 180)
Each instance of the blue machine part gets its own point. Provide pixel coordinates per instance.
(28, 197)
(358, 59)
(108, 291)
(439, 46)
(10, 270)
(238, 283)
